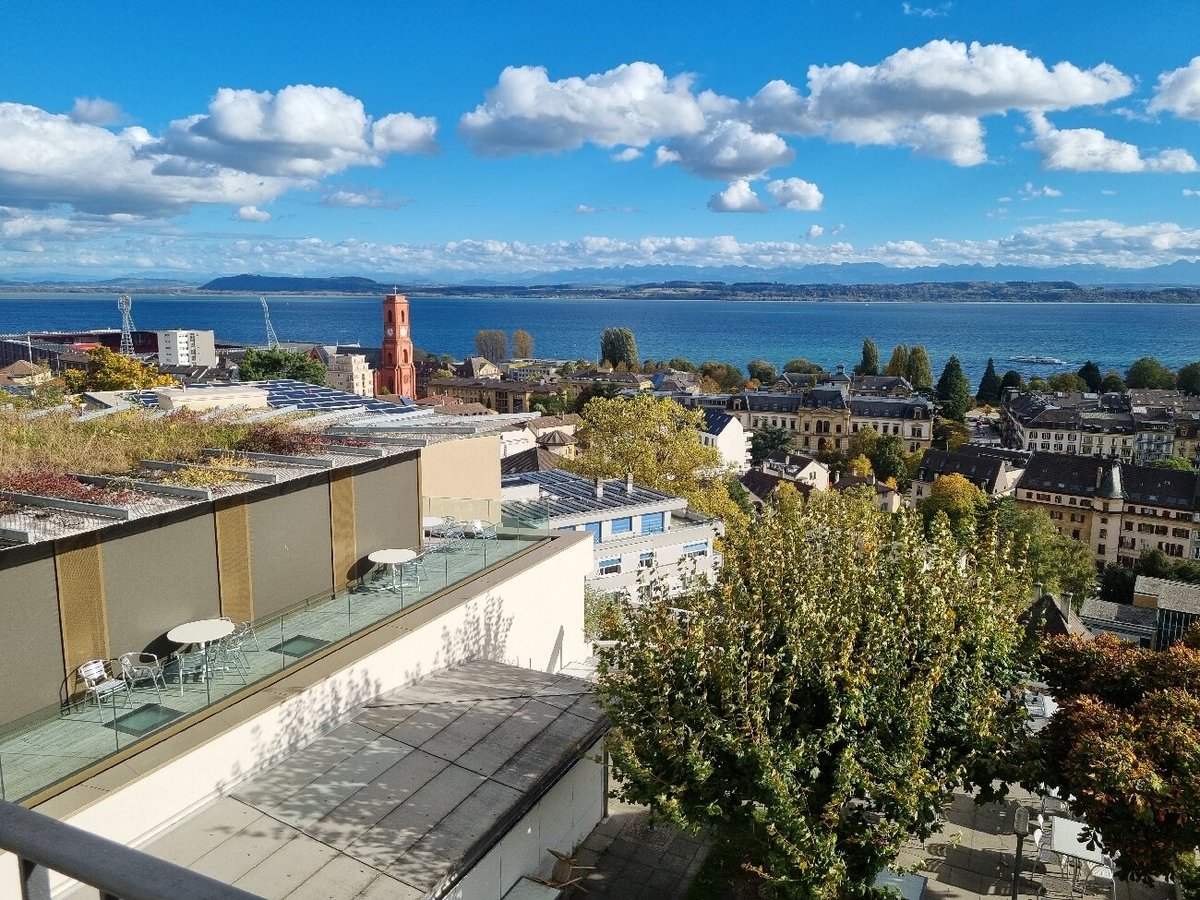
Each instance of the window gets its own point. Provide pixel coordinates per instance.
(646, 560)
(609, 566)
(699, 548)
(622, 526)
(652, 523)
(594, 528)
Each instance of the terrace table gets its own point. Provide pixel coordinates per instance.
(200, 633)
(391, 559)
(1065, 840)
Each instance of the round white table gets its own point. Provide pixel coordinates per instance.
(202, 632)
(391, 559)
(428, 522)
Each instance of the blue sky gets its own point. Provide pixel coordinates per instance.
(471, 140)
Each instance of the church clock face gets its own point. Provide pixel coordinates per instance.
(403, 331)
(389, 330)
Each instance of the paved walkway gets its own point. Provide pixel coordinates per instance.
(637, 862)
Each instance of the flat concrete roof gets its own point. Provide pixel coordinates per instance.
(403, 798)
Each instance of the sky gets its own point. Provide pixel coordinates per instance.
(466, 140)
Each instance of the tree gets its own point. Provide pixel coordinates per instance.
(954, 391)
(766, 441)
(679, 364)
(800, 366)
(761, 371)
(258, 365)
(658, 441)
(1012, 379)
(1056, 561)
(617, 345)
(869, 365)
(1066, 382)
(1090, 373)
(492, 344)
(860, 466)
(862, 442)
(522, 344)
(1173, 462)
(959, 501)
(989, 385)
(1188, 379)
(897, 366)
(728, 377)
(920, 372)
(952, 434)
(1112, 382)
(108, 371)
(1148, 372)
(819, 756)
(1038, 383)
(889, 459)
(1123, 743)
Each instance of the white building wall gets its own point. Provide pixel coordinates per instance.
(179, 347)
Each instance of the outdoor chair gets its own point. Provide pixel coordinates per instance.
(142, 667)
(1046, 856)
(228, 657)
(246, 631)
(1103, 875)
(480, 530)
(99, 681)
(185, 665)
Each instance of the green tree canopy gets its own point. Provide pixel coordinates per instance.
(869, 364)
(262, 364)
(680, 364)
(522, 344)
(618, 345)
(1058, 562)
(954, 497)
(954, 391)
(727, 377)
(658, 441)
(920, 371)
(1012, 379)
(862, 442)
(1173, 462)
(800, 366)
(1188, 379)
(889, 459)
(767, 440)
(897, 366)
(108, 371)
(1067, 382)
(1090, 373)
(821, 701)
(492, 344)
(761, 371)
(1112, 382)
(1123, 743)
(1148, 372)
(989, 385)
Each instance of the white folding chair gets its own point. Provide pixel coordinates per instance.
(99, 681)
(143, 667)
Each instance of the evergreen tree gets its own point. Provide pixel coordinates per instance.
(1113, 382)
(1012, 379)
(954, 391)
(870, 359)
(897, 366)
(1090, 372)
(920, 371)
(1188, 379)
(989, 385)
(617, 345)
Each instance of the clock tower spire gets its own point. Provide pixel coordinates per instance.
(396, 374)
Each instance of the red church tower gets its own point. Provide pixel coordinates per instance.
(396, 374)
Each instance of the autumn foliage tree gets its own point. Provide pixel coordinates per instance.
(819, 703)
(1124, 743)
(108, 371)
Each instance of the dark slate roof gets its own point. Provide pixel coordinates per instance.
(980, 465)
(535, 459)
(760, 484)
(825, 397)
(715, 421)
(1044, 619)
(885, 383)
(1160, 487)
(891, 407)
(784, 458)
(1105, 611)
(568, 495)
(1065, 473)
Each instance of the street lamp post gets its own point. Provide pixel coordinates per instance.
(1020, 829)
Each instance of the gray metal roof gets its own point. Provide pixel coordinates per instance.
(566, 496)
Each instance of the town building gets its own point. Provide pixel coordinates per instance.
(726, 435)
(887, 498)
(396, 374)
(23, 376)
(502, 395)
(1135, 624)
(186, 347)
(350, 372)
(637, 533)
(797, 468)
(993, 470)
(1176, 605)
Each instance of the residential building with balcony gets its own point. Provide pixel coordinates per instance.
(184, 347)
(351, 373)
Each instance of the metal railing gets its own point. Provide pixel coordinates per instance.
(42, 845)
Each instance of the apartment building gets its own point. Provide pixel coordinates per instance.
(351, 373)
(501, 395)
(993, 470)
(180, 347)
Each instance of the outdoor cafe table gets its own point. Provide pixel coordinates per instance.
(391, 559)
(1065, 841)
(909, 887)
(200, 634)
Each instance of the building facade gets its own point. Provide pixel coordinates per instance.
(350, 372)
(179, 347)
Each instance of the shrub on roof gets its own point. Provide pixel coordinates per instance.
(269, 437)
(46, 483)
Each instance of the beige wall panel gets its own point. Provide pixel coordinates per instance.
(158, 577)
(81, 609)
(385, 508)
(342, 527)
(462, 478)
(31, 658)
(290, 551)
(233, 559)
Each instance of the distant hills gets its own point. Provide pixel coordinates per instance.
(279, 284)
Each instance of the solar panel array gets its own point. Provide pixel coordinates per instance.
(301, 396)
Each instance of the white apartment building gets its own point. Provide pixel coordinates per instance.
(350, 372)
(180, 347)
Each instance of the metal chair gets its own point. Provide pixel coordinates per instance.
(480, 530)
(228, 655)
(188, 664)
(99, 681)
(244, 630)
(142, 667)
(1046, 856)
(1104, 874)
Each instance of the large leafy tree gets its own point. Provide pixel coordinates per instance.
(1112, 382)
(820, 702)
(258, 365)
(1148, 372)
(989, 385)
(491, 344)
(727, 377)
(1067, 382)
(954, 391)
(889, 459)
(959, 501)
(658, 441)
(1124, 743)
(1090, 373)
(766, 441)
(1188, 379)
(800, 366)
(108, 371)
(761, 371)
(618, 345)
(522, 344)
(1056, 561)
(869, 364)
(898, 365)
(920, 371)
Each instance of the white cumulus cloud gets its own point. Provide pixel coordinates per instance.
(252, 214)
(731, 149)
(796, 194)
(814, 231)
(738, 197)
(629, 154)
(1029, 191)
(1090, 150)
(1178, 92)
(96, 111)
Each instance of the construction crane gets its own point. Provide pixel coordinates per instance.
(125, 305)
(272, 338)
